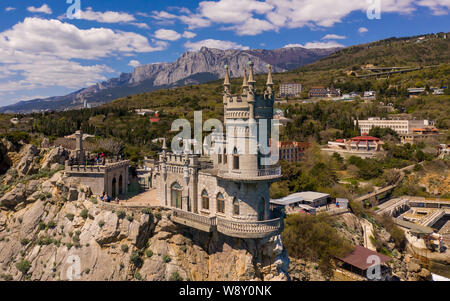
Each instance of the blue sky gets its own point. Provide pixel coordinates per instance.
(44, 53)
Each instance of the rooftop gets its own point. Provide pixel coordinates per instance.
(358, 258)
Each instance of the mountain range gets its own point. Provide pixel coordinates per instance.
(193, 67)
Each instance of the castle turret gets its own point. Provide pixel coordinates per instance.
(269, 83)
(226, 83)
(251, 80)
(245, 83)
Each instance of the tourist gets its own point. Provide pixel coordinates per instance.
(107, 198)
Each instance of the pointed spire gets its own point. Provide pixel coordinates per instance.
(250, 77)
(244, 82)
(226, 83)
(269, 77)
(227, 76)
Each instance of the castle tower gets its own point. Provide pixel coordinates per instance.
(247, 120)
(79, 146)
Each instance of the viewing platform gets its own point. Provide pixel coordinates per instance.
(234, 228)
(96, 168)
(264, 174)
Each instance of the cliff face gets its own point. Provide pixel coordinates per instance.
(192, 67)
(52, 229)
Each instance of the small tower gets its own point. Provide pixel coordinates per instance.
(79, 146)
(245, 83)
(269, 84)
(226, 82)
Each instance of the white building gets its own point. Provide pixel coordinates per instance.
(400, 126)
(290, 89)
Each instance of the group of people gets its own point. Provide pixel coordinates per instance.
(106, 198)
(98, 159)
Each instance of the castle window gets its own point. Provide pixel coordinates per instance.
(235, 159)
(225, 158)
(235, 206)
(205, 200)
(219, 158)
(220, 203)
(176, 190)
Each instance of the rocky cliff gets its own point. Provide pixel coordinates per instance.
(192, 67)
(51, 228)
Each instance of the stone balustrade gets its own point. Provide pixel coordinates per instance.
(234, 228)
(97, 168)
(250, 229)
(197, 221)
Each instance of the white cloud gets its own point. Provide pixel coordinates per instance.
(438, 7)
(211, 43)
(40, 53)
(167, 34)
(316, 45)
(10, 8)
(134, 63)
(43, 9)
(334, 37)
(106, 17)
(189, 35)
(362, 30)
(270, 15)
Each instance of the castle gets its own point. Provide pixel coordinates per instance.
(229, 191)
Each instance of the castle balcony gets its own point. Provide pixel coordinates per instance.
(197, 221)
(263, 174)
(250, 229)
(233, 228)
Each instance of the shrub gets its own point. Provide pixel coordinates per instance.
(24, 241)
(158, 215)
(84, 213)
(166, 258)
(138, 276)
(124, 248)
(101, 223)
(315, 238)
(70, 216)
(149, 253)
(23, 266)
(175, 277)
(130, 218)
(42, 225)
(44, 241)
(121, 214)
(146, 211)
(183, 248)
(136, 259)
(51, 224)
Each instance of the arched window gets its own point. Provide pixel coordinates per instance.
(176, 190)
(225, 158)
(261, 209)
(235, 206)
(235, 159)
(205, 200)
(220, 203)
